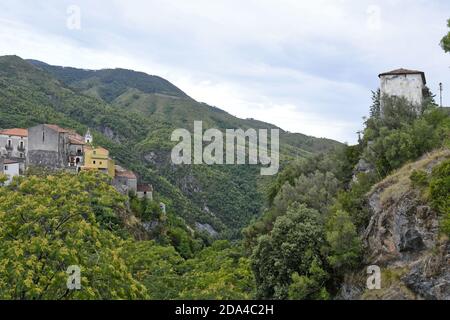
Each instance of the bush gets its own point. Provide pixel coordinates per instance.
(419, 178)
(440, 193)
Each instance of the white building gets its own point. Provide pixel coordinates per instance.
(14, 145)
(409, 84)
(10, 168)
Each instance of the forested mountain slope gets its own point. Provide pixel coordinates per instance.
(133, 114)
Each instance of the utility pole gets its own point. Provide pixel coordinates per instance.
(440, 92)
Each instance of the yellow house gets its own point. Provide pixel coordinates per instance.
(98, 158)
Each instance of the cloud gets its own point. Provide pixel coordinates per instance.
(306, 66)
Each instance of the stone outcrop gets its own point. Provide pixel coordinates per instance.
(403, 238)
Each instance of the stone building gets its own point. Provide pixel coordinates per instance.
(125, 180)
(53, 147)
(145, 191)
(76, 151)
(14, 145)
(409, 84)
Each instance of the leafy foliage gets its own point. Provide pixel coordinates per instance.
(445, 42)
(439, 190)
(133, 115)
(293, 246)
(48, 224)
(51, 222)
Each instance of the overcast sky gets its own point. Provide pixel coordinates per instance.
(306, 66)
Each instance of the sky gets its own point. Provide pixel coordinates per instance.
(306, 66)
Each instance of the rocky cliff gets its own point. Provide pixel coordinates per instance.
(403, 238)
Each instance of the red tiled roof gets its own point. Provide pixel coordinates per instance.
(121, 172)
(19, 132)
(144, 188)
(8, 161)
(76, 139)
(57, 128)
(402, 71)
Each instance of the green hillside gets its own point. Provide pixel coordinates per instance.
(133, 114)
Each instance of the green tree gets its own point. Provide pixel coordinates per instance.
(157, 267)
(48, 224)
(445, 42)
(311, 286)
(440, 193)
(292, 246)
(218, 272)
(345, 247)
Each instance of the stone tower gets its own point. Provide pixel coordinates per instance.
(88, 137)
(409, 84)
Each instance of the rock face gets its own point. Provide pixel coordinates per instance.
(400, 230)
(403, 239)
(208, 228)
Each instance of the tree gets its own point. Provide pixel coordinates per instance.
(293, 245)
(375, 108)
(48, 224)
(445, 42)
(345, 247)
(218, 272)
(156, 267)
(311, 286)
(439, 191)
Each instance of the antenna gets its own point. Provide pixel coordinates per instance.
(440, 92)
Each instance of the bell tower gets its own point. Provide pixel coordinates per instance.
(88, 137)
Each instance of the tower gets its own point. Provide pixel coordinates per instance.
(409, 84)
(88, 137)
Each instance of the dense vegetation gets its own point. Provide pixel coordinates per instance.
(51, 222)
(133, 115)
(309, 237)
(445, 42)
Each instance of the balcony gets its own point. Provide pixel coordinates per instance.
(21, 149)
(9, 147)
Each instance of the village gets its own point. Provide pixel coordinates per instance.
(49, 146)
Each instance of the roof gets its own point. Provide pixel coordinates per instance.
(57, 128)
(402, 71)
(18, 132)
(8, 161)
(121, 172)
(76, 139)
(144, 188)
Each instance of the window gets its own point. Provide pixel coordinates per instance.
(95, 152)
(43, 136)
(101, 162)
(93, 162)
(6, 168)
(21, 144)
(21, 155)
(9, 143)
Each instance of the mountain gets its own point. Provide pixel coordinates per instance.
(133, 114)
(108, 84)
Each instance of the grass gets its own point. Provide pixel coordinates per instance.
(397, 184)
